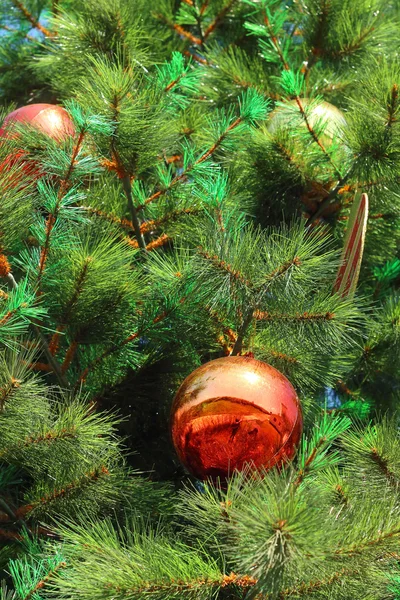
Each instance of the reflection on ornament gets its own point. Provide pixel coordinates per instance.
(321, 114)
(50, 119)
(235, 411)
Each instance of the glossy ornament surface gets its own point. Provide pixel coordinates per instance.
(235, 411)
(323, 112)
(50, 119)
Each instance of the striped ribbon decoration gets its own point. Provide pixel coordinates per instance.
(349, 270)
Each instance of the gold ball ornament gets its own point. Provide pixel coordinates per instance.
(232, 412)
(322, 113)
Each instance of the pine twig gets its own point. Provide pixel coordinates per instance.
(112, 349)
(126, 184)
(220, 16)
(44, 581)
(32, 20)
(54, 364)
(286, 67)
(200, 160)
(237, 348)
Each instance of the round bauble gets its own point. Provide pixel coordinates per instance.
(322, 112)
(50, 119)
(232, 412)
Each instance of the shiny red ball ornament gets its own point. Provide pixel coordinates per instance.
(50, 119)
(235, 411)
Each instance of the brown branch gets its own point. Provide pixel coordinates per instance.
(43, 582)
(5, 267)
(282, 269)
(12, 30)
(204, 7)
(392, 106)
(223, 265)
(162, 240)
(10, 535)
(281, 356)
(52, 218)
(286, 67)
(69, 356)
(72, 487)
(32, 20)
(200, 160)
(315, 136)
(349, 49)
(109, 351)
(219, 141)
(306, 316)
(50, 436)
(382, 464)
(220, 16)
(180, 30)
(40, 366)
(350, 551)
(10, 314)
(7, 390)
(276, 43)
(310, 459)
(125, 223)
(125, 178)
(54, 343)
(148, 226)
(306, 588)
(196, 57)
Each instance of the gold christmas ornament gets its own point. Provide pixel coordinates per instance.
(321, 114)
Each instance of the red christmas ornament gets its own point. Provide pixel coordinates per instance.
(48, 118)
(233, 411)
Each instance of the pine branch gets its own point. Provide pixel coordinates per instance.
(54, 364)
(310, 459)
(17, 31)
(179, 30)
(201, 159)
(12, 536)
(70, 488)
(286, 67)
(317, 49)
(220, 17)
(7, 390)
(69, 356)
(204, 6)
(49, 437)
(382, 464)
(237, 348)
(392, 106)
(313, 586)
(355, 45)
(32, 20)
(355, 549)
(224, 266)
(125, 179)
(44, 581)
(52, 218)
(54, 343)
(112, 349)
(305, 317)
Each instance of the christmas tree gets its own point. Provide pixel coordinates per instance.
(186, 198)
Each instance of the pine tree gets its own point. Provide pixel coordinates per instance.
(198, 211)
